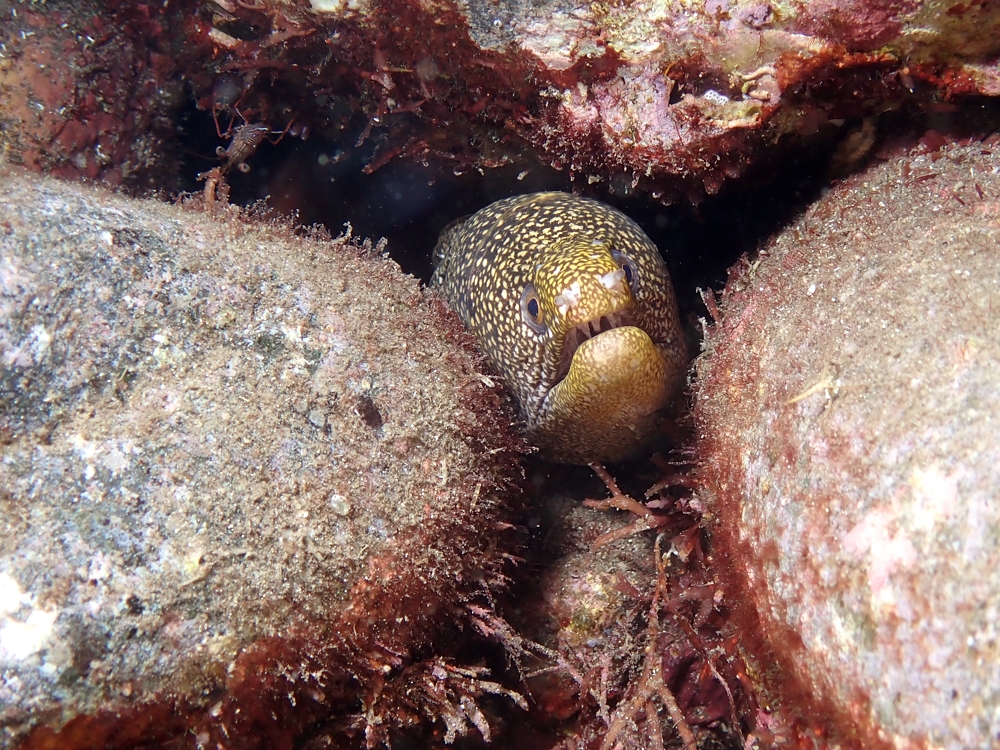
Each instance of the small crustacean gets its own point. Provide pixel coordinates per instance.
(243, 142)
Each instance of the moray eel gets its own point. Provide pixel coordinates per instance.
(572, 305)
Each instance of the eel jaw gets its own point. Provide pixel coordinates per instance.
(580, 334)
(605, 408)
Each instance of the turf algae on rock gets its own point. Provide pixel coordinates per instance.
(245, 477)
(848, 418)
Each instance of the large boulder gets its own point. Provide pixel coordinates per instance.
(246, 478)
(848, 434)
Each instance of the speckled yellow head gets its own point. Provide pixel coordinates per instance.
(572, 304)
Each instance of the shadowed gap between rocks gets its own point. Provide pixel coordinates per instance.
(321, 181)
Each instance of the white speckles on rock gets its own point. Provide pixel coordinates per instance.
(183, 478)
(339, 504)
(12, 597)
(21, 640)
(24, 628)
(339, 7)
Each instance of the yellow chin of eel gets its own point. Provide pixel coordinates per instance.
(607, 407)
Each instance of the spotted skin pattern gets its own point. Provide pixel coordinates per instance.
(587, 267)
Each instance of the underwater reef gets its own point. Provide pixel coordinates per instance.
(671, 99)
(259, 490)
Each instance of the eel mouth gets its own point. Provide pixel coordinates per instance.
(578, 334)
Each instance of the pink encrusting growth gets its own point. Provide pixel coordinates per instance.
(670, 98)
(848, 447)
(884, 550)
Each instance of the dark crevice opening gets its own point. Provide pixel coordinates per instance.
(321, 181)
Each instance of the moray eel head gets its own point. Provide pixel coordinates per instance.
(607, 370)
(572, 305)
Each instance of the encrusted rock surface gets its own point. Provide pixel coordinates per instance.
(245, 477)
(88, 89)
(669, 98)
(849, 433)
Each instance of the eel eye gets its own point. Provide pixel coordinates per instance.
(531, 310)
(630, 269)
(629, 275)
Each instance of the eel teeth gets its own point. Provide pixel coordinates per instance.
(576, 335)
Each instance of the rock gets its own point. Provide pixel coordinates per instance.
(669, 98)
(848, 434)
(88, 91)
(246, 478)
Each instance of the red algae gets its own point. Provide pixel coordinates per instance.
(674, 100)
(631, 643)
(88, 91)
(670, 99)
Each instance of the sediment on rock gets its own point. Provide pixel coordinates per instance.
(846, 407)
(246, 478)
